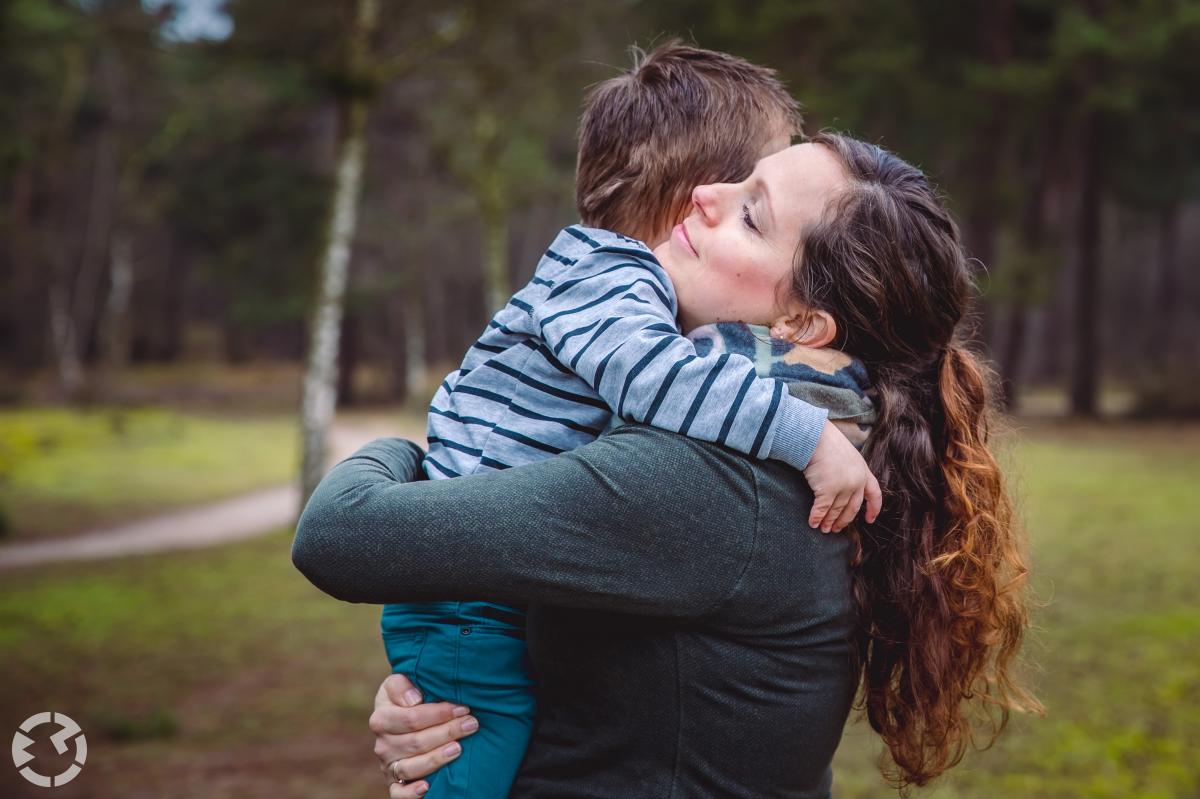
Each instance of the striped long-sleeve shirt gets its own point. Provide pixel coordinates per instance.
(594, 336)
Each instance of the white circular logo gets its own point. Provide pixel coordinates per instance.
(68, 732)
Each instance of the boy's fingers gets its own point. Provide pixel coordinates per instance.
(835, 511)
(874, 497)
(851, 510)
(817, 514)
(838, 522)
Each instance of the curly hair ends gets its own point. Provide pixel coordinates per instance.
(939, 575)
(932, 676)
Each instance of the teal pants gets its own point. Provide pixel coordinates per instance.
(473, 654)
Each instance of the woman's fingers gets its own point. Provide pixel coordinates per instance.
(849, 512)
(410, 790)
(389, 719)
(412, 739)
(389, 747)
(397, 689)
(433, 738)
(398, 709)
(417, 766)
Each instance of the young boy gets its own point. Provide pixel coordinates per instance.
(593, 341)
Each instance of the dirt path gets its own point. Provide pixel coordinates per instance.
(218, 522)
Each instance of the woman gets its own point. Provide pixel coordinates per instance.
(691, 635)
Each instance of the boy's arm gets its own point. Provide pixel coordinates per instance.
(613, 324)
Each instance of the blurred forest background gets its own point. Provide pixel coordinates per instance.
(168, 171)
(216, 217)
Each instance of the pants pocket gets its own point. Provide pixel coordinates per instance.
(404, 651)
(493, 671)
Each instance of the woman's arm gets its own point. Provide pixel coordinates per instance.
(640, 521)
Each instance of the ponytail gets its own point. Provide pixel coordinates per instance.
(981, 562)
(939, 575)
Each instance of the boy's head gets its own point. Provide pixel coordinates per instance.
(681, 117)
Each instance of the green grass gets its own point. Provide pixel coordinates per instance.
(222, 673)
(63, 470)
(195, 674)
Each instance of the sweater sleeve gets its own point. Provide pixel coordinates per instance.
(640, 521)
(613, 324)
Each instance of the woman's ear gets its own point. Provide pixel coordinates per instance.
(808, 328)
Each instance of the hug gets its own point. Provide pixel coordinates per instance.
(721, 466)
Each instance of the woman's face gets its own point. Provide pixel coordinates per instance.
(730, 260)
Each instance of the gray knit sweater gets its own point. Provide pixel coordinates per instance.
(690, 634)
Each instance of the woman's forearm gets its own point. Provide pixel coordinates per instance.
(341, 522)
(641, 521)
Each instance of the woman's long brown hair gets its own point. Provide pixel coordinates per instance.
(938, 577)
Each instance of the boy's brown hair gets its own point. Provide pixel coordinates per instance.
(679, 118)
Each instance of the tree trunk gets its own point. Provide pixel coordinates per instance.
(319, 395)
(1086, 357)
(487, 184)
(53, 250)
(174, 302)
(1169, 287)
(409, 324)
(75, 282)
(415, 348)
(114, 329)
(75, 288)
(320, 381)
(348, 351)
(495, 256)
(25, 308)
(395, 326)
(436, 323)
(986, 160)
(65, 343)
(1033, 243)
(236, 344)
(1013, 357)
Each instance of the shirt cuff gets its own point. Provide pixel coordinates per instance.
(798, 428)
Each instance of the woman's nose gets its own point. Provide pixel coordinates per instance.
(706, 199)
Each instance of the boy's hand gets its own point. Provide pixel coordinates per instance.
(840, 480)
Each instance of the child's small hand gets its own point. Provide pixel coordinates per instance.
(840, 480)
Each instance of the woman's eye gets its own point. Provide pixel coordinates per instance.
(746, 218)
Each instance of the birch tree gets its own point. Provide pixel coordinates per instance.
(364, 73)
(319, 396)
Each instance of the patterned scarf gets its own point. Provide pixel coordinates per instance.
(821, 376)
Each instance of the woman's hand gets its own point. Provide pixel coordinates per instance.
(413, 740)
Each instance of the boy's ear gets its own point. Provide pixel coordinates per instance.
(808, 328)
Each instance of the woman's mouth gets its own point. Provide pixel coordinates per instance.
(682, 234)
